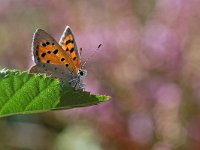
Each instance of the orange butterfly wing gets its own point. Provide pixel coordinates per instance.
(68, 43)
(47, 50)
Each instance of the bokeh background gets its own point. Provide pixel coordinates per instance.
(149, 63)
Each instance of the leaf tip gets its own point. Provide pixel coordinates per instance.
(103, 98)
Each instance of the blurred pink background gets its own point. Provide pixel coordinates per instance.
(149, 63)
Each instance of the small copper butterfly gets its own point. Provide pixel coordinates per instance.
(61, 60)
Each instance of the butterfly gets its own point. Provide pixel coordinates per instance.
(59, 60)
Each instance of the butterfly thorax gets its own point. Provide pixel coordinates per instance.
(76, 80)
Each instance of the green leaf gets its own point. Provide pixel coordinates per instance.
(23, 93)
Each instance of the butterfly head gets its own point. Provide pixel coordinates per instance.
(82, 72)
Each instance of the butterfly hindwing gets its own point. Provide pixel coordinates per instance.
(58, 72)
(68, 43)
(47, 51)
(55, 71)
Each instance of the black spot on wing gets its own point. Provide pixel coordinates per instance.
(55, 51)
(43, 54)
(69, 41)
(44, 45)
(71, 51)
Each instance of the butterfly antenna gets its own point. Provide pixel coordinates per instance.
(80, 51)
(91, 55)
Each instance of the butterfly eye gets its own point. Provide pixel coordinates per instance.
(81, 73)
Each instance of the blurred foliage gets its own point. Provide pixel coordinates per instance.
(149, 64)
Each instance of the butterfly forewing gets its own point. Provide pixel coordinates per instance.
(68, 43)
(46, 50)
